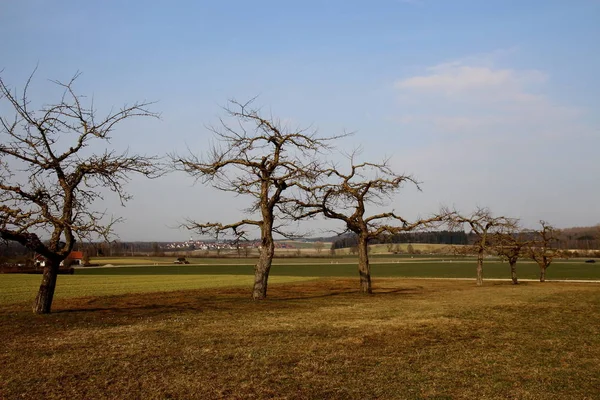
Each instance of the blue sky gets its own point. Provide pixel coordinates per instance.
(488, 103)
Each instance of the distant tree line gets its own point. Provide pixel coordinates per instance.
(570, 238)
(587, 238)
(433, 237)
(12, 252)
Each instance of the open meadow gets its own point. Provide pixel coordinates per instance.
(158, 274)
(192, 331)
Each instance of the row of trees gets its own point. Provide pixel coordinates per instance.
(488, 235)
(282, 172)
(579, 240)
(51, 175)
(504, 237)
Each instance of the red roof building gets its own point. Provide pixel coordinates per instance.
(75, 256)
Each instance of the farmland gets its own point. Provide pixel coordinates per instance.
(151, 329)
(139, 275)
(413, 339)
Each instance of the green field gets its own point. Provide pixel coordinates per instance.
(16, 288)
(222, 272)
(345, 267)
(282, 259)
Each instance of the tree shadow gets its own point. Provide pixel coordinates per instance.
(129, 307)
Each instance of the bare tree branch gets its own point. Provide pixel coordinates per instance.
(543, 249)
(258, 157)
(48, 182)
(510, 243)
(483, 224)
(346, 196)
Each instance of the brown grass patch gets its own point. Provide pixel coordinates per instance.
(311, 340)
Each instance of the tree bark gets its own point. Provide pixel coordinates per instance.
(480, 267)
(263, 266)
(513, 273)
(364, 269)
(43, 300)
(543, 273)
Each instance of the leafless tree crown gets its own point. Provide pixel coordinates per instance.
(264, 160)
(542, 249)
(482, 222)
(255, 156)
(50, 174)
(347, 194)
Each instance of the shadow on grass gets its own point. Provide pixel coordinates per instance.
(284, 295)
(127, 308)
(147, 309)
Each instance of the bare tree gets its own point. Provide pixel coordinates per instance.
(50, 175)
(542, 249)
(510, 244)
(347, 197)
(319, 247)
(259, 158)
(483, 224)
(390, 247)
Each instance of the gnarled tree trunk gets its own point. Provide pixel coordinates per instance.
(262, 269)
(43, 300)
(513, 273)
(265, 259)
(542, 273)
(480, 267)
(364, 270)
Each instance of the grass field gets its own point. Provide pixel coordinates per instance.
(15, 288)
(139, 278)
(314, 258)
(157, 330)
(318, 339)
(381, 267)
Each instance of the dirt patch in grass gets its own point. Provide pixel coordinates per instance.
(311, 340)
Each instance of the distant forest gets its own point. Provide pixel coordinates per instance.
(436, 237)
(580, 238)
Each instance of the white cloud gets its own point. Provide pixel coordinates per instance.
(458, 79)
(455, 96)
(454, 79)
(492, 135)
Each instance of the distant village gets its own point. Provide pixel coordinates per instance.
(220, 245)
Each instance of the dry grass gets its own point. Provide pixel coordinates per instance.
(311, 340)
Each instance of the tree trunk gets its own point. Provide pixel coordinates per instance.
(480, 268)
(364, 269)
(542, 273)
(263, 266)
(513, 273)
(43, 300)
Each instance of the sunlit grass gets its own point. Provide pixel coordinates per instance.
(152, 278)
(15, 288)
(413, 339)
